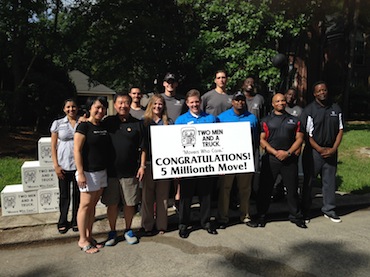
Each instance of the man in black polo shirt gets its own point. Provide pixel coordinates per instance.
(324, 126)
(126, 166)
(281, 136)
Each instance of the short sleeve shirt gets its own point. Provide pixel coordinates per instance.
(175, 106)
(230, 116)
(256, 105)
(322, 123)
(280, 130)
(96, 146)
(215, 103)
(65, 133)
(188, 118)
(128, 139)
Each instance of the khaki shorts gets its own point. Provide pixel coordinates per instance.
(94, 180)
(125, 189)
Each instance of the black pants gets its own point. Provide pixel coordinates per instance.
(65, 199)
(201, 186)
(270, 169)
(314, 165)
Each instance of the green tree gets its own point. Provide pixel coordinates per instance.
(243, 36)
(26, 47)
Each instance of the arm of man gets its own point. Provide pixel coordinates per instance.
(282, 154)
(79, 140)
(330, 151)
(265, 145)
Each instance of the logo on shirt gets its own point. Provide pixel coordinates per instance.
(333, 113)
(101, 133)
(178, 103)
(291, 121)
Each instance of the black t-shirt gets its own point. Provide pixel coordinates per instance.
(322, 123)
(95, 148)
(280, 130)
(128, 138)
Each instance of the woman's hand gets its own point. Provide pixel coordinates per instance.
(60, 172)
(81, 180)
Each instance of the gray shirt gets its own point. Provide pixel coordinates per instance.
(138, 114)
(295, 111)
(256, 105)
(174, 106)
(216, 103)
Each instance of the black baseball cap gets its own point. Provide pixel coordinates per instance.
(239, 95)
(170, 76)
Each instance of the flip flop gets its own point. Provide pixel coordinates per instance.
(88, 247)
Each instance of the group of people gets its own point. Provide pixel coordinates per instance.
(109, 158)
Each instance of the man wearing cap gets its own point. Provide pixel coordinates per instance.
(217, 100)
(175, 105)
(237, 113)
(281, 136)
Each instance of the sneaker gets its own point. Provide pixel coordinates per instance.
(112, 239)
(130, 237)
(333, 218)
(246, 219)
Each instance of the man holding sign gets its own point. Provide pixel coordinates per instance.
(238, 113)
(200, 185)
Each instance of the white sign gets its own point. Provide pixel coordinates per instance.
(201, 149)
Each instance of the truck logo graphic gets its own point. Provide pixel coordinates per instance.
(188, 136)
(45, 198)
(45, 152)
(29, 176)
(9, 201)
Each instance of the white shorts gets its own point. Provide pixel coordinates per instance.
(94, 180)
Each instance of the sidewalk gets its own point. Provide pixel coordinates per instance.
(42, 227)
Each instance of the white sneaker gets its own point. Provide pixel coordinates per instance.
(333, 218)
(112, 239)
(246, 219)
(130, 237)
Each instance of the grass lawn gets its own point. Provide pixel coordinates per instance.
(10, 171)
(354, 164)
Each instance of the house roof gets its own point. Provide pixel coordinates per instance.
(85, 85)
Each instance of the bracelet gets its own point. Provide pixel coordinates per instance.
(143, 166)
(289, 154)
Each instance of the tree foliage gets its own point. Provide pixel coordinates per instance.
(135, 42)
(242, 36)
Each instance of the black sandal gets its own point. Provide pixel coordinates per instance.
(62, 230)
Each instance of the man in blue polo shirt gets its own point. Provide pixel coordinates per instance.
(237, 113)
(199, 185)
